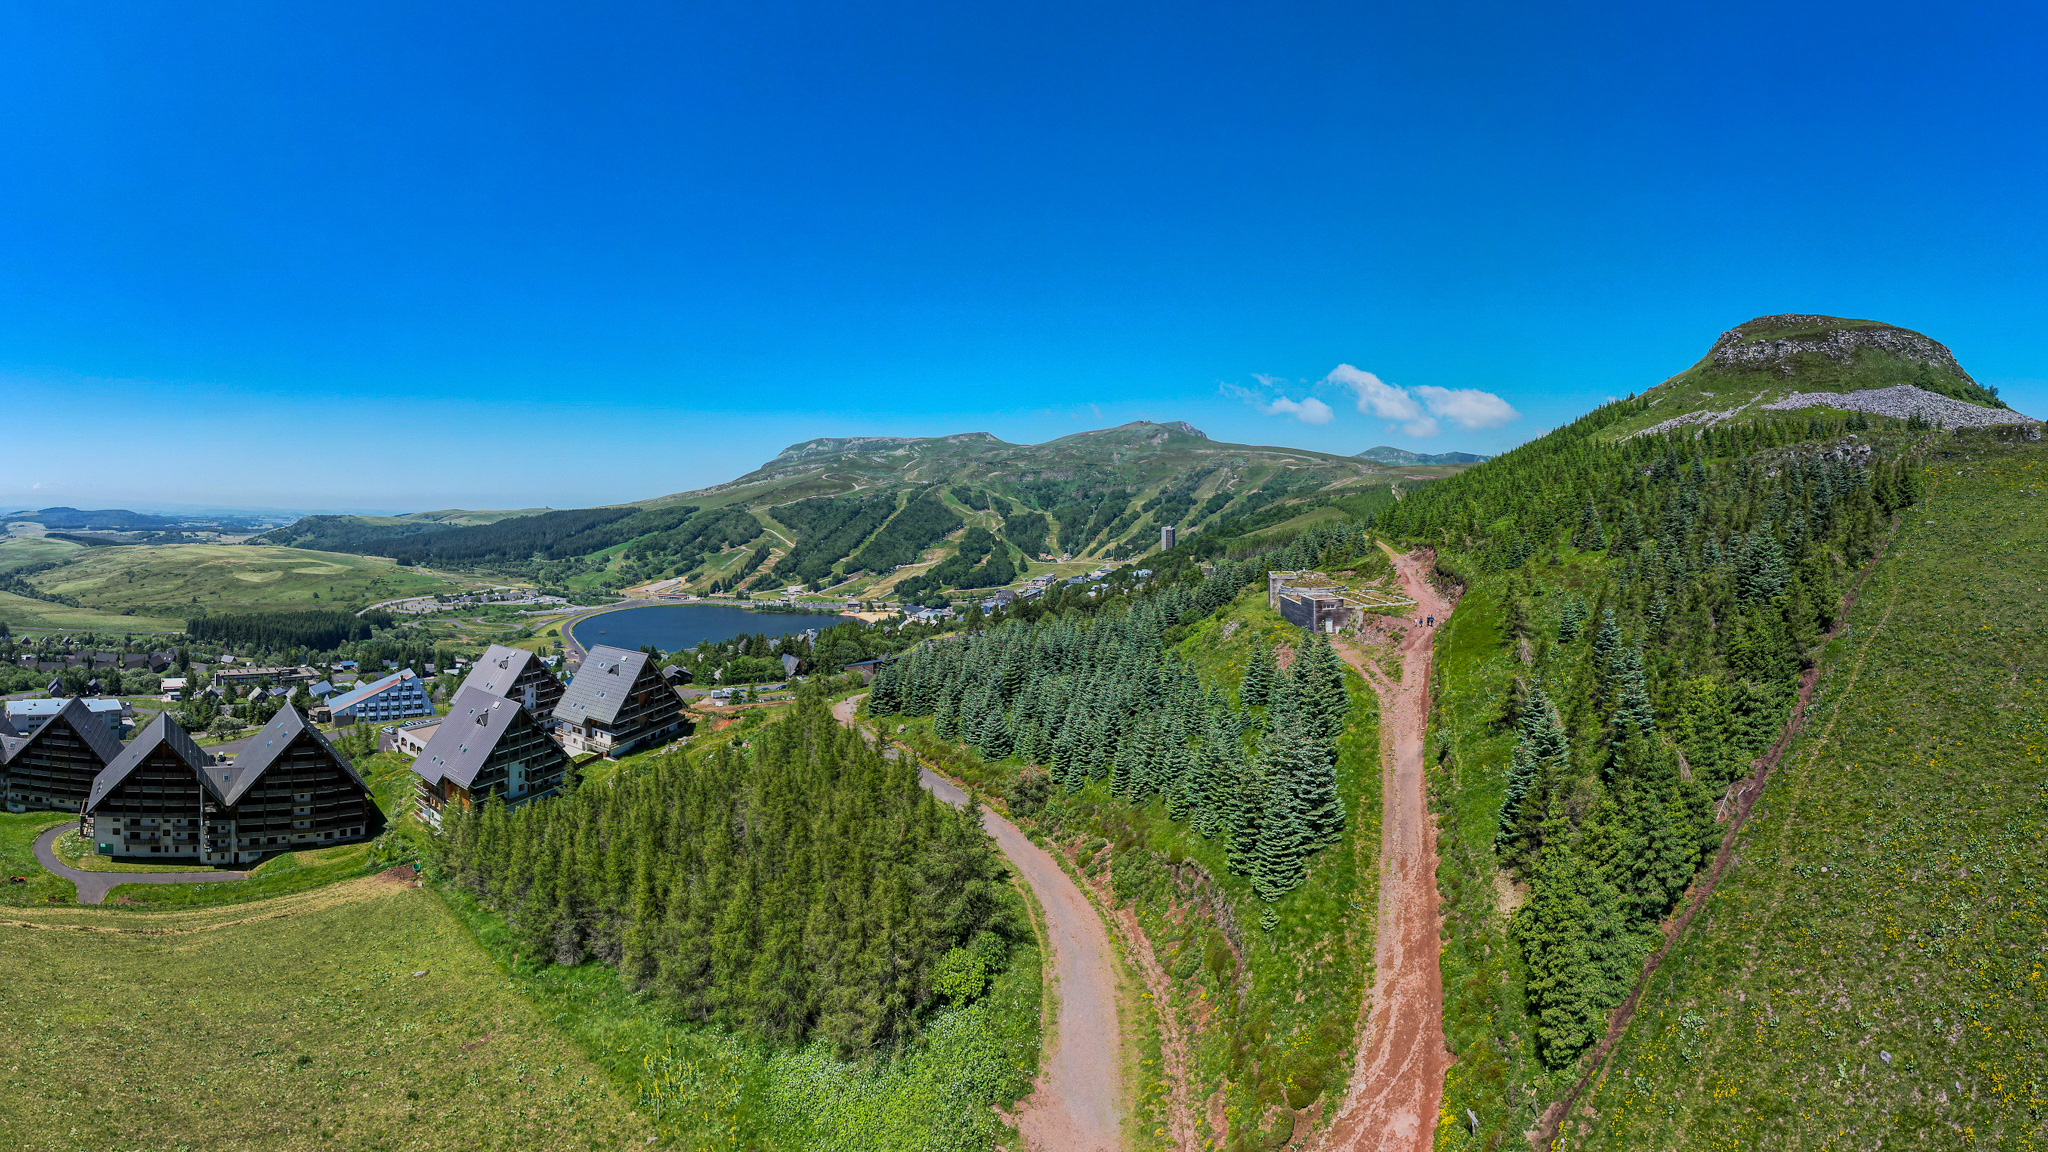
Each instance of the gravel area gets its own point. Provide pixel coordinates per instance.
(1901, 401)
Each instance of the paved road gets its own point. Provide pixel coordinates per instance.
(1077, 1104)
(94, 886)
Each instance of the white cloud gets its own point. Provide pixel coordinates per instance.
(1308, 410)
(1418, 412)
(1468, 408)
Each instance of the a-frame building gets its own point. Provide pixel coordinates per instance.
(54, 766)
(617, 702)
(287, 790)
(520, 676)
(486, 744)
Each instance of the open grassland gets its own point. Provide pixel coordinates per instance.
(299, 1023)
(1871, 971)
(23, 612)
(181, 580)
(22, 551)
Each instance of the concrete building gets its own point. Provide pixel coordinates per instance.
(1165, 537)
(399, 696)
(486, 744)
(617, 702)
(287, 789)
(245, 674)
(28, 715)
(409, 738)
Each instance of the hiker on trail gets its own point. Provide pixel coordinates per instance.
(1432, 621)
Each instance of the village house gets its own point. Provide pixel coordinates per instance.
(287, 789)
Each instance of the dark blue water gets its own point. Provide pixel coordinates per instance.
(671, 627)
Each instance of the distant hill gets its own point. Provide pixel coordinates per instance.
(1777, 363)
(1386, 454)
(102, 518)
(866, 514)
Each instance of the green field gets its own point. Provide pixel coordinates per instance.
(1871, 970)
(360, 1016)
(22, 551)
(179, 580)
(19, 612)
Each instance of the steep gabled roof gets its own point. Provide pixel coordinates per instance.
(90, 728)
(161, 732)
(499, 668)
(9, 745)
(233, 781)
(476, 722)
(601, 686)
(7, 729)
(356, 696)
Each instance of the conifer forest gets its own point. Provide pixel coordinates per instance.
(802, 886)
(1660, 595)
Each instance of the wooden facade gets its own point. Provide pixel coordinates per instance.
(617, 703)
(487, 744)
(287, 790)
(54, 767)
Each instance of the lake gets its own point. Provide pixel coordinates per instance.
(672, 627)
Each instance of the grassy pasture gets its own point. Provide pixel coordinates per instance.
(25, 612)
(179, 580)
(301, 1027)
(22, 551)
(1871, 971)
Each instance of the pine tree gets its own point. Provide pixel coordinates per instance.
(1261, 677)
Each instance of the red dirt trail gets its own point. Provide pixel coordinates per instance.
(1397, 1078)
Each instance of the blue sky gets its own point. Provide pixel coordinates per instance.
(402, 256)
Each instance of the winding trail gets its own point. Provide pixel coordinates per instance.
(1397, 1078)
(94, 886)
(1077, 1102)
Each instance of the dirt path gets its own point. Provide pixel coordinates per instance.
(1397, 1079)
(1077, 1103)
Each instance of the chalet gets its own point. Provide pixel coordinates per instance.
(616, 703)
(287, 789)
(517, 675)
(398, 696)
(54, 766)
(487, 743)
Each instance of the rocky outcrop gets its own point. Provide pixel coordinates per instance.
(1903, 401)
(1750, 346)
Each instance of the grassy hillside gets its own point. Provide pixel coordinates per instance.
(171, 582)
(359, 1016)
(1765, 359)
(862, 516)
(1783, 971)
(1871, 969)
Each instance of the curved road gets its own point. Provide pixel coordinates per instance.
(94, 886)
(1397, 1080)
(1076, 1105)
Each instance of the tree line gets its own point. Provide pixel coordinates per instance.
(313, 630)
(1100, 699)
(1663, 594)
(800, 885)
